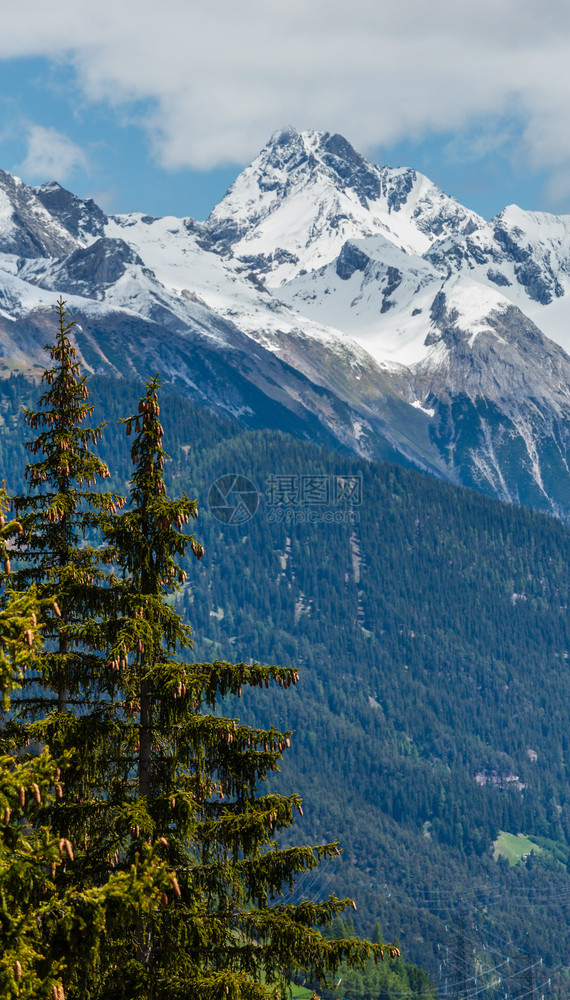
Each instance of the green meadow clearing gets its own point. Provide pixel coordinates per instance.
(513, 847)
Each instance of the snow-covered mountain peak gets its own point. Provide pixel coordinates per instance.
(299, 153)
(288, 162)
(307, 193)
(83, 219)
(528, 231)
(27, 228)
(526, 255)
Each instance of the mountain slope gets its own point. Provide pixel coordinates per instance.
(431, 631)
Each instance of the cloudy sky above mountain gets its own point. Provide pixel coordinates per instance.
(156, 105)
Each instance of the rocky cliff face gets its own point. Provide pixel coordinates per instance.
(348, 302)
(27, 228)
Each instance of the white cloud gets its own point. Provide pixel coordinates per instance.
(50, 155)
(220, 77)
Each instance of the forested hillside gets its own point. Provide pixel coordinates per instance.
(430, 625)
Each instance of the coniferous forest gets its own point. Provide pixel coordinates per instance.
(428, 627)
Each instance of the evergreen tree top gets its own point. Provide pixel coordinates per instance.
(62, 410)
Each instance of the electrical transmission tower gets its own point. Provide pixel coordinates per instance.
(462, 961)
(526, 979)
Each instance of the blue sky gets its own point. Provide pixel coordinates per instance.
(116, 167)
(155, 107)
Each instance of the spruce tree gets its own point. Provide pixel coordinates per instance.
(50, 931)
(70, 699)
(59, 516)
(196, 779)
